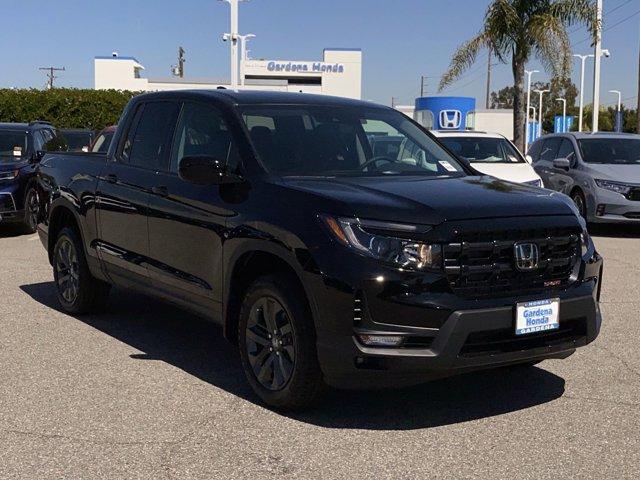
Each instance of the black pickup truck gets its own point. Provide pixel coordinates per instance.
(327, 265)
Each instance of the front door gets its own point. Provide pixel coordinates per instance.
(544, 165)
(122, 198)
(187, 221)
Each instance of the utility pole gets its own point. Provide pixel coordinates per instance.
(486, 102)
(638, 105)
(423, 86)
(526, 124)
(582, 58)
(596, 68)
(178, 70)
(51, 74)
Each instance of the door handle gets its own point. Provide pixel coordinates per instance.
(111, 178)
(160, 190)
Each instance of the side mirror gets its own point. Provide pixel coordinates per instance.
(529, 159)
(37, 156)
(562, 163)
(205, 170)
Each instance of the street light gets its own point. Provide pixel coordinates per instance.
(243, 53)
(596, 66)
(526, 127)
(582, 58)
(232, 38)
(618, 117)
(540, 92)
(564, 113)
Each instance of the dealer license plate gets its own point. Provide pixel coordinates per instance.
(538, 316)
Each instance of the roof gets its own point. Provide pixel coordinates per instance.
(579, 135)
(464, 133)
(258, 97)
(14, 126)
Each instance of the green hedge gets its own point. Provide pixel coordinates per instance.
(64, 107)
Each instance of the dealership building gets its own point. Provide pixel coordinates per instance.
(338, 73)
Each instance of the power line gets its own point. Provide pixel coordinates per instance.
(610, 27)
(51, 76)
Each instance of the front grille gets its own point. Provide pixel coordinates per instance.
(634, 194)
(506, 341)
(6, 203)
(483, 264)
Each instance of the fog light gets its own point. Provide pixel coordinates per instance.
(600, 210)
(380, 340)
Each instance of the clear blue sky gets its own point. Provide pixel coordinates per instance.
(400, 39)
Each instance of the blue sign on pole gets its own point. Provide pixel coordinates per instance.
(619, 122)
(533, 132)
(562, 124)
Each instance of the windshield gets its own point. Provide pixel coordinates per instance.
(483, 149)
(309, 140)
(12, 144)
(614, 151)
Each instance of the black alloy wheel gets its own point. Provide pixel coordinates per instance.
(270, 343)
(31, 210)
(67, 270)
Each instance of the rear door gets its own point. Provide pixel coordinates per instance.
(187, 221)
(123, 192)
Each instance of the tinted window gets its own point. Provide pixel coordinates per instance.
(483, 149)
(102, 143)
(148, 139)
(550, 149)
(615, 151)
(534, 150)
(12, 144)
(77, 140)
(315, 140)
(202, 130)
(52, 142)
(566, 149)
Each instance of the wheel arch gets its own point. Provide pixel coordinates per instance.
(61, 216)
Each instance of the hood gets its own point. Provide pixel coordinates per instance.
(429, 200)
(512, 172)
(617, 173)
(11, 163)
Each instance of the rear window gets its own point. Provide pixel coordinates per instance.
(614, 151)
(483, 149)
(12, 144)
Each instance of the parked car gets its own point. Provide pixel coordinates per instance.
(600, 172)
(491, 154)
(77, 138)
(102, 141)
(22, 145)
(269, 214)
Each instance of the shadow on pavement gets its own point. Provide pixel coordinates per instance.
(197, 347)
(10, 230)
(614, 230)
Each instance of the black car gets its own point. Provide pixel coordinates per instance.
(22, 145)
(270, 214)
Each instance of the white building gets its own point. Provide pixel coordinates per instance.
(339, 73)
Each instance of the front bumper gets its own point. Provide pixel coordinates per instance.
(9, 206)
(606, 206)
(445, 334)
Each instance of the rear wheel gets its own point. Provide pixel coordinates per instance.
(580, 202)
(31, 209)
(277, 344)
(78, 291)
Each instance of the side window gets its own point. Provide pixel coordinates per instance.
(38, 141)
(566, 151)
(202, 130)
(534, 151)
(148, 138)
(550, 149)
(50, 142)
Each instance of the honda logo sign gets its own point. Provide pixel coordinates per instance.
(450, 119)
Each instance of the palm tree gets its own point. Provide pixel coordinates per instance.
(520, 29)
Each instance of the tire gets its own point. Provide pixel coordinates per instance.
(31, 209)
(580, 203)
(277, 344)
(78, 291)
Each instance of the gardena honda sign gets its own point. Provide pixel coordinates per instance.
(313, 67)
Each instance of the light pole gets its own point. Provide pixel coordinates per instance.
(596, 68)
(526, 127)
(534, 118)
(564, 113)
(243, 53)
(540, 92)
(232, 38)
(582, 58)
(618, 116)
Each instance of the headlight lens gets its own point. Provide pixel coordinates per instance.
(9, 175)
(352, 233)
(620, 188)
(534, 183)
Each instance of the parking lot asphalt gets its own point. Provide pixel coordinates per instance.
(148, 391)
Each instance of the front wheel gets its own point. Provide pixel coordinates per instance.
(31, 210)
(78, 291)
(580, 203)
(277, 344)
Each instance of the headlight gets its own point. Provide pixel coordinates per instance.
(357, 234)
(9, 175)
(620, 188)
(534, 183)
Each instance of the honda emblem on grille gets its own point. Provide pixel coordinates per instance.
(527, 256)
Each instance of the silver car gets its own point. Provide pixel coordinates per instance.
(599, 171)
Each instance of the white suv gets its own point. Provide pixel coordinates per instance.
(491, 154)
